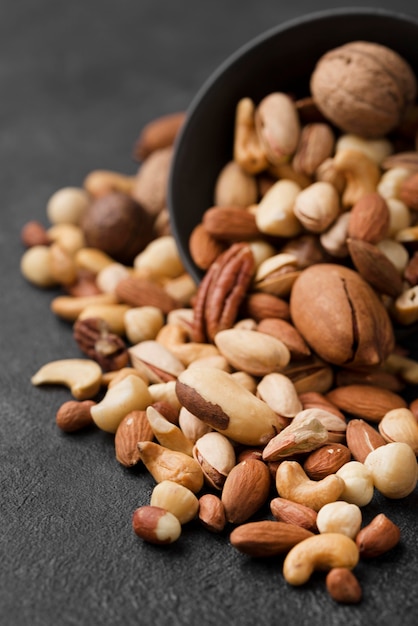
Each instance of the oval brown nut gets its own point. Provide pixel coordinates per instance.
(343, 586)
(377, 537)
(74, 415)
(212, 513)
(267, 538)
(326, 460)
(245, 490)
(368, 402)
(340, 316)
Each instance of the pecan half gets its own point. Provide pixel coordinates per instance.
(97, 342)
(222, 291)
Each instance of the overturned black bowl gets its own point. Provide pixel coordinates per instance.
(281, 59)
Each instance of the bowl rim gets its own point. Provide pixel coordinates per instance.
(228, 63)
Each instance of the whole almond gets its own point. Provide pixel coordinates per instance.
(245, 490)
(326, 460)
(74, 415)
(230, 223)
(204, 248)
(343, 586)
(294, 513)
(408, 191)
(267, 538)
(375, 267)
(136, 292)
(365, 401)
(211, 513)
(369, 218)
(158, 133)
(287, 333)
(378, 537)
(362, 438)
(133, 428)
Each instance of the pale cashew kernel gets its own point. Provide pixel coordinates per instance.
(341, 517)
(82, 376)
(375, 149)
(293, 484)
(320, 552)
(361, 172)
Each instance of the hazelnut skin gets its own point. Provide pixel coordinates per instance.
(117, 225)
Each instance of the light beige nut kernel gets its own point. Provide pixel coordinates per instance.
(168, 434)
(143, 323)
(251, 351)
(156, 525)
(394, 469)
(82, 376)
(69, 236)
(216, 456)
(176, 499)
(161, 258)
(130, 394)
(293, 484)
(35, 266)
(341, 517)
(278, 127)
(400, 425)
(320, 552)
(317, 206)
(235, 187)
(303, 434)
(165, 464)
(274, 214)
(362, 174)
(358, 483)
(279, 392)
(67, 205)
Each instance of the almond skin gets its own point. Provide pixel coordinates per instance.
(204, 248)
(368, 402)
(362, 438)
(375, 267)
(326, 460)
(230, 223)
(140, 291)
(378, 537)
(294, 513)
(133, 428)
(267, 538)
(74, 415)
(343, 586)
(369, 218)
(245, 490)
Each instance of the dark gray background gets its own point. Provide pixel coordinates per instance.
(78, 80)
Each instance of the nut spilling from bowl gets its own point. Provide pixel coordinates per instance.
(273, 388)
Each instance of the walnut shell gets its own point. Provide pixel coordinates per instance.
(340, 316)
(363, 88)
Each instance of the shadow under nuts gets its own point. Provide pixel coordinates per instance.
(340, 316)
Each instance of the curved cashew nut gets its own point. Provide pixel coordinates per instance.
(320, 552)
(248, 151)
(82, 376)
(362, 174)
(293, 484)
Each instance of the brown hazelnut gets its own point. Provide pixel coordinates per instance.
(363, 88)
(118, 225)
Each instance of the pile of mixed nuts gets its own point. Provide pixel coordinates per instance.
(277, 383)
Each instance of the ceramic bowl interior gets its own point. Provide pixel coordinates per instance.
(281, 59)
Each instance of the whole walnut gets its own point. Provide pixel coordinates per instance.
(363, 88)
(340, 316)
(117, 225)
